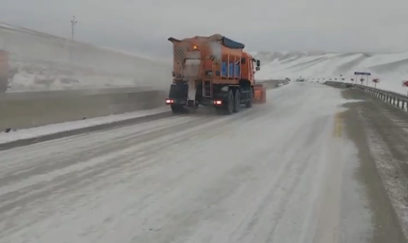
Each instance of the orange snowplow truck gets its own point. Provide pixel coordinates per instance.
(213, 71)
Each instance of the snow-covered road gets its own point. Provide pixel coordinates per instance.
(272, 173)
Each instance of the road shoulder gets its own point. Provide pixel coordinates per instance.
(383, 168)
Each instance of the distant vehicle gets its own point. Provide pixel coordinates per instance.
(4, 71)
(300, 80)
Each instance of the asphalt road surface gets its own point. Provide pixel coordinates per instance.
(291, 170)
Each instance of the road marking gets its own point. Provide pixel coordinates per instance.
(329, 215)
(338, 125)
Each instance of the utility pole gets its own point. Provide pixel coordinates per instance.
(73, 23)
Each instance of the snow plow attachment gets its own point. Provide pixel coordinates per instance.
(259, 94)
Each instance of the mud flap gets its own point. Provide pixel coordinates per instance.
(191, 92)
(179, 91)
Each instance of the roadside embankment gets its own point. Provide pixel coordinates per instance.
(32, 109)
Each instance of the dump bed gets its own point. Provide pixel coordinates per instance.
(213, 71)
(219, 58)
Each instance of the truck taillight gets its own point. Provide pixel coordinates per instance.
(168, 101)
(217, 102)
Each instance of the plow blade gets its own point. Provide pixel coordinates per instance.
(259, 94)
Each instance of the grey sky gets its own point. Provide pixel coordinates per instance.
(144, 25)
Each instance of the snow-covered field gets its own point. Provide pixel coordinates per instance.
(391, 69)
(44, 62)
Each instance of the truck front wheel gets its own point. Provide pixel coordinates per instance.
(248, 104)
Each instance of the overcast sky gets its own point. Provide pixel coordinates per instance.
(143, 26)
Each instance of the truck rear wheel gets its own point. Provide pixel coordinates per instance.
(176, 109)
(230, 103)
(237, 100)
(228, 108)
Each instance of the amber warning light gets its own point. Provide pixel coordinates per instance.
(195, 47)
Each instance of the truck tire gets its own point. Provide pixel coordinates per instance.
(248, 104)
(177, 109)
(237, 101)
(230, 103)
(228, 109)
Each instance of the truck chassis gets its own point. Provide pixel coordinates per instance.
(226, 99)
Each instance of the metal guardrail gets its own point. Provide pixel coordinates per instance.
(396, 99)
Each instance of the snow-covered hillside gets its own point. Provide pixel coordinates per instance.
(391, 69)
(44, 62)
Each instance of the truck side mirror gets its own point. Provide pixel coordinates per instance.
(258, 68)
(258, 63)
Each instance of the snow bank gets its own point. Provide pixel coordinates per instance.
(73, 125)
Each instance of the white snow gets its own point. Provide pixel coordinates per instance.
(182, 180)
(391, 69)
(73, 125)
